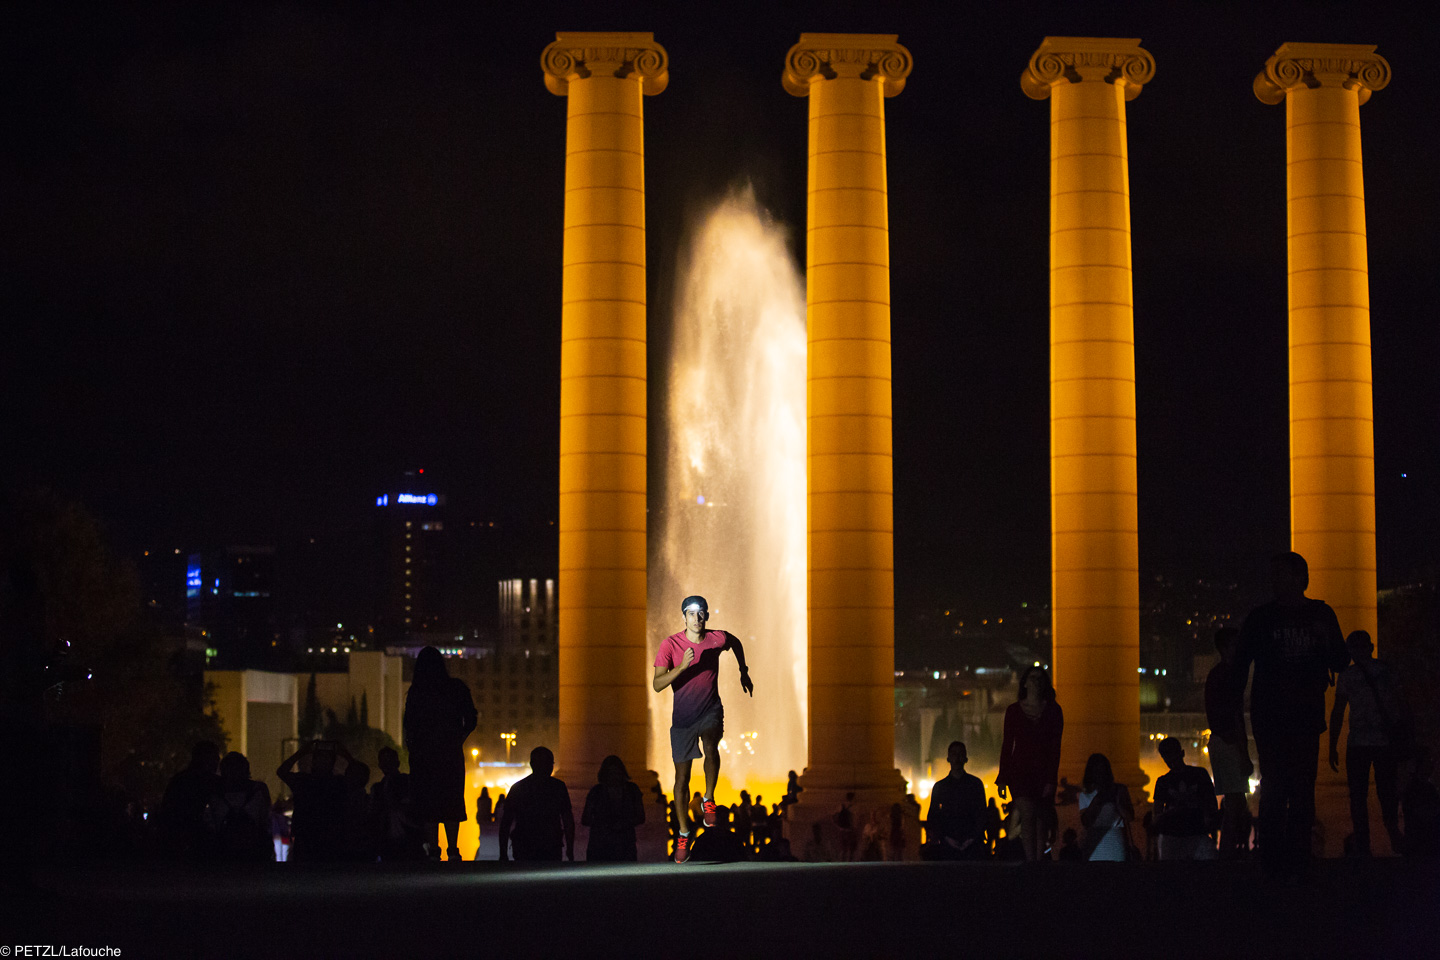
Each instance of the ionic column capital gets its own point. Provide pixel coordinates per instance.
(1087, 59)
(1353, 66)
(576, 56)
(865, 56)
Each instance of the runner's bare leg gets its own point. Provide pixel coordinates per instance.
(682, 795)
(711, 742)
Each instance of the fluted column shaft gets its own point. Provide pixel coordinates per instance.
(1332, 426)
(1093, 486)
(850, 533)
(602, 590)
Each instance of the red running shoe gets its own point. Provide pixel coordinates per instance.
(682, 848)
(709, 807)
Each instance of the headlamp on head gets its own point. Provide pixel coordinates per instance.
(695, 603)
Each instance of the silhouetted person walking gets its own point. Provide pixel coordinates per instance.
(1295, 644)
(237, 818)
(319, 793)
(1030, 756)
(538, 810)
(1185, 811)
(1229, 744)
(1105, 812)
(439, 715)
(613, 809)
(689, 663)
(182, 810)
(1379, 731)
(955, 828)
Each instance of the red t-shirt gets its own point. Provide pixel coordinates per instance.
(696, 690)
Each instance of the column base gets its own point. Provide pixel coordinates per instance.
(810, 824)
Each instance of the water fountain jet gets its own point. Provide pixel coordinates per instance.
(732, 525)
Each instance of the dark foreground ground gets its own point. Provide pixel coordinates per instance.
(1377, 908)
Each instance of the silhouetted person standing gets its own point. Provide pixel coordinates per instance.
(484, 807)
(237, 817)
(895, 839)
(955, 828)
(689, 663)
(319, 792)
(1185, 811)
(719, 844)
(182, 810)
(1295, 644)
(845, 826)
(1229, 744)
(1105, 812)
(397, 836)
(538, 810)
(1030, 756)
(1379, 730)
(439, 715)
(613, 809)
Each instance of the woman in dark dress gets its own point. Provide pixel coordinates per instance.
(439, 715)
(613, 809)
(1030, 756)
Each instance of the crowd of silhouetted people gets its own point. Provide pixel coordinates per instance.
(214, 810)
(1297, 652)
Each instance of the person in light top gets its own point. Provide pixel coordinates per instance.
(689, 663)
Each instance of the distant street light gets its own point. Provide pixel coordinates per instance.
(509, 739)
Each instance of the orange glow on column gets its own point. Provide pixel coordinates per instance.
(1332, 426)
(1094, 527)
(603, 706)
(850, 531)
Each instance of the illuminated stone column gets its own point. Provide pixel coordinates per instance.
(603, 665)
(1332, 427)
(1094, 529)
(851, 543)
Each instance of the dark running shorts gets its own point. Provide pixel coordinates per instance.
(685, 741)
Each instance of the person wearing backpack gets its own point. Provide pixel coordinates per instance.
(237, 818)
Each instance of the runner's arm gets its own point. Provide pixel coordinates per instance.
(739, 649)
(663, 677)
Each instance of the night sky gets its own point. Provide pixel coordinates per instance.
(259, 259)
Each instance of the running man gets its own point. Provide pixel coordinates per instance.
(689, 661)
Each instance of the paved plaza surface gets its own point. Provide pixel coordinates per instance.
(1377, 908)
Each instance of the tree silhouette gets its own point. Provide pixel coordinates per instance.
(310, 719)
(89, 659)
